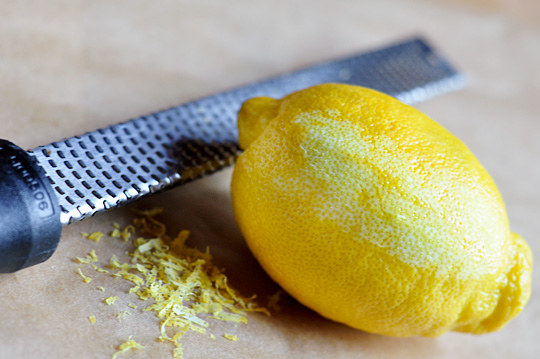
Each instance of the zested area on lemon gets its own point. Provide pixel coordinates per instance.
(373, 215)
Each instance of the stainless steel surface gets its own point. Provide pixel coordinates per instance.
(112, 166)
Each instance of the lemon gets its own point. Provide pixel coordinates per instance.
(375, 216)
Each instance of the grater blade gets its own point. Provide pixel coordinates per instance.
(112, 166)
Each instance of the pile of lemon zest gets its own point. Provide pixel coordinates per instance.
(231, 337)
(126, 346)
(96, 236)
(132, 306)
(101, 289)
(92, 319)
(85, 278)
(182, 282)
(110, 300)
(91, 257)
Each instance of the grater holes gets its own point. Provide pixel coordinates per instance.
(89, 154)
(160, 155)
(161, 169)
(125, 178)
(100, 184)
(91, 204)
(68, 165)
(76, 175)
(97, 165)
(59, 190)
(107, 175)
(81, 163)
(86, 185)
(60, 174)
(90, 174)
(96, 194)
(69, 184)
(79, 193)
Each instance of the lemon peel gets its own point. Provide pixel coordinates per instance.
(110, 300)
(92, 319)
(85, 278)
(128, 345)
(95, 236)
(90, 258)
(231, 337)
(373, 215)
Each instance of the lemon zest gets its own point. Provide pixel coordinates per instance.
(91, 257)
(85, 278)
(126, 346)
(99, 269)
(110, 300)
(124, 234)
(182, 282)
(231, 337)
(92, 319)
(95, 236)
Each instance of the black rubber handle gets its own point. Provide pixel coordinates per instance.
(29, 213)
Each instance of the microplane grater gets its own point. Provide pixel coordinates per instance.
(103, 169)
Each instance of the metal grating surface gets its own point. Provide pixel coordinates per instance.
(112, 166)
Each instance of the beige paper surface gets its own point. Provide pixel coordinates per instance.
(71, 66)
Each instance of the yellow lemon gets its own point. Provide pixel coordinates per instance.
(373, 215)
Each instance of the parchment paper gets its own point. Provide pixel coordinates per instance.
(71, 66)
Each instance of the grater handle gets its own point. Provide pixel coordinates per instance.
(29, 213)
